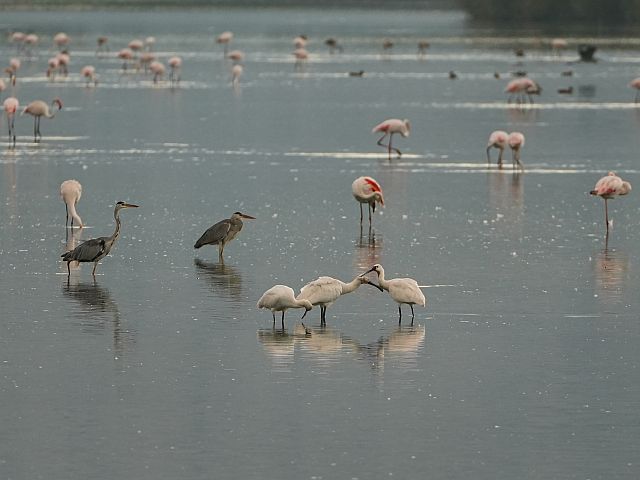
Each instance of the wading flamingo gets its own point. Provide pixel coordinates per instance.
(11, 105)
(39, 109)
(498, 139)
(608, 187)
(367, 190)
(70, 192)
(516, 142)
(391, 127)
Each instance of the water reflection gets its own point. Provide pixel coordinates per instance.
(368, 250)
(222, 279)
(96, 310)
(72, 240)
(506, 198)
(402, 346)
(610, 268)
(279, 345)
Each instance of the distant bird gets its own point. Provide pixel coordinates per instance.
(300, 41)
(89, 73)
(402, 290)
(586, 52)
(103, 45)
(30, 40)
(146, 58)
(333, 45)
(496, 75)
(522, 88)
(236, 73)
(326, 290)
(149, 43)
(12, 70)
(63, 60)
(635, 83)
(39, 109)
(367, 190)
(175, 64)
(96, 249)
(136, 45)
(423, 46)
(61, 40)
(70, 192)
(558, 44)
(11, 105)
(498, 139)
(53, 64)
(516, 142)
(359, 73)
(567, 73)
(519, 52)
(566, 91)
(126, 55)
(158, 70)
(387, 45)
(609, 187)
(452, 75)
(301, 56)
(281, 298)
(390, 127)
(222, 232)
(236, 55)
(225, 39)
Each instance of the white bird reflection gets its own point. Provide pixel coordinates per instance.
(368, 250)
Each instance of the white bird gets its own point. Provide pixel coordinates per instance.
(70, 192)
(498, 139)
(367, 190)
(281, 298)
(402, 290)
(326, 290)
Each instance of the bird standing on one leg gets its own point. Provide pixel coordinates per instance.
(390, 127)
(223, 232)
(609, 187)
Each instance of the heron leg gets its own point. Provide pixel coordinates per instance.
(95, 265)
(68, 268)
(220, 250)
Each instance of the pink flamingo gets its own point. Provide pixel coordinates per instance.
(102, 45)
(89, 73)
(70, 192)
(300, 41)
(367, 190)
(236, 73)
(225, 39)
(2, 87)
(301, 56)
(145, 60)
(236, 55)
(609, 187)
(64, 60)
(516, 142)
(498, 139)
(61, 40)
(136, 45)
(126, 54)
(40, 109)
(53, 65)
(11, 105)
(18, 39)
(635, 83)
(390, 127)
(158, 69)
(31, 40)
(175, 63)
(521, 87)
(12, 70)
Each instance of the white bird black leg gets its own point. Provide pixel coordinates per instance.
(399, 313)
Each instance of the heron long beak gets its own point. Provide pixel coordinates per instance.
(130, 205)
(247, 216)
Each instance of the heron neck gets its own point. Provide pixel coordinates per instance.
(116, 233)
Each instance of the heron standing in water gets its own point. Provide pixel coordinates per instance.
(223, 232)
(96, 249)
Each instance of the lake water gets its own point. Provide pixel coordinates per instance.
(525, 362)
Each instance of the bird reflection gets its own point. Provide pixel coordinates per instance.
(611, 268)
(72, 238)
(96, 309)
(506, 197)
(322, 342)
(279, 345)
(223, 279)
(368, 250)
(520, 112)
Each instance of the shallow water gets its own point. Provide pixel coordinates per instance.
(524, 363)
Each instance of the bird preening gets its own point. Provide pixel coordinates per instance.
(96, 249)
(367, 190)
(608, 187)
(223, 232)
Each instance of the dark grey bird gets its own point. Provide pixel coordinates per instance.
(223, 232)
(96, 249)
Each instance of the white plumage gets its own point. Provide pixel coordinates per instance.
(402, 290)
(281, 298)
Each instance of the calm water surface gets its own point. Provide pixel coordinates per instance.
(524, 363)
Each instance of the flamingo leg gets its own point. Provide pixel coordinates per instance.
(637, 95)
(369, 216)
(283, 320)
(361, 215)
(500, 157)
(606, 214)
(393, 148)
(489, 155)
(274, 318)
(66, 207)
(399, 314)
(35, 137)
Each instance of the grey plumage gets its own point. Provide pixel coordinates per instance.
(96, 249)
(222, 232)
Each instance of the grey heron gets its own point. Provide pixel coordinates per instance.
(402, 290)
(96, 249)
(326, 290)
(223, 232)
(281, 298)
